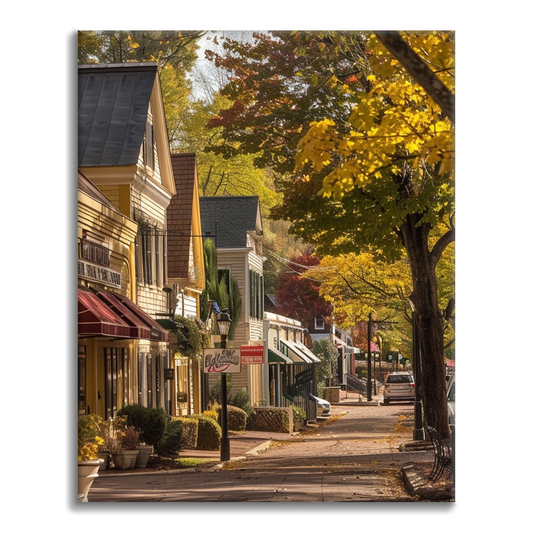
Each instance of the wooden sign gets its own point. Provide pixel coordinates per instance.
(222, 360)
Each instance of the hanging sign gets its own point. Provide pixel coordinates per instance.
(226, 360)
(252, 355)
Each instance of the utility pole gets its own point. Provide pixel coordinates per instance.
(371, 323)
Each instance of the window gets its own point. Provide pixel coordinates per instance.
(82, 385)
(140, 377)
(256, 295)
(319, 323)
(149, 145)
(111, 372)
(125, 376)
(151, 255)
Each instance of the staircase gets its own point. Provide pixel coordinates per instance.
(355, 384)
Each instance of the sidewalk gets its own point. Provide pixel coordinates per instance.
(249, 443)
(350, 458)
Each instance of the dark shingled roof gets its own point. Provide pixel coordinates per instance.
(230, 218)
(112, 110)
(179, 215)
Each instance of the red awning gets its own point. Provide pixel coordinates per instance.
(138, 328)
(96, 319)
(156, 332)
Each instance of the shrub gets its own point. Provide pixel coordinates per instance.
(212, 413)
(236, 418)
(150, 422)
(131, 438)
(242, 400)
(209, 433)
(189, 434)
(298, 413)
(171, 442)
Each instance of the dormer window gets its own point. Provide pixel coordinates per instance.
(319, 323)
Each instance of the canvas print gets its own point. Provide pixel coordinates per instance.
(266, 227)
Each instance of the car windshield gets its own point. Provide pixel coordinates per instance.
(399, 379)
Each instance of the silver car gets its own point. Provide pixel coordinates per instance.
(399, 386)
(451, 400)
(323, 407)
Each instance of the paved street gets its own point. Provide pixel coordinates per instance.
(351, 458)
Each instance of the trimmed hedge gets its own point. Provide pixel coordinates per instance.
(149, 422)
(171, 441)
(209, 433)
(236, 418)
(189, 434)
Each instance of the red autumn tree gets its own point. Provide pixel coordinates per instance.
(299, 297)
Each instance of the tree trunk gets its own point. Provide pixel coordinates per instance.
(432, 385)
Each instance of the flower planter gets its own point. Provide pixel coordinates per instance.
(144, 455)
(87, 473)
(125, 459)
(105, 460)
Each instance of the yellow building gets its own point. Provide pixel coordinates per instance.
(123, 149)
(186, 277)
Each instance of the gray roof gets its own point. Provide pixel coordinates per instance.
(112, 110)
(230, 218)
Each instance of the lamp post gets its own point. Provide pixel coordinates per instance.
(369, 361)
(224, 323)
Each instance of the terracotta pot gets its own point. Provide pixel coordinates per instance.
(144, 455)
(125, 459)
(87, 473)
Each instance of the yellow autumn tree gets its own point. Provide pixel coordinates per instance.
(388, 177)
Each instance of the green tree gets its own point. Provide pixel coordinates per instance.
(328, 355)
(217, 175)
(224, 292)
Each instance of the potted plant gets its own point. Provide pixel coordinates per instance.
(145, 450)
(298, 415)
(127, 456)
(89, 441)
(150, 423)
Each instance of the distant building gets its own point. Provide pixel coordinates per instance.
(235, 225)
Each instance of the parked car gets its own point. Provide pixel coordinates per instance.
(399, 386)
(450, 394)
(323, 407)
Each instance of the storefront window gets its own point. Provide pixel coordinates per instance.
(82, 378)
(182, 367)
(125, 376)
(111, 372)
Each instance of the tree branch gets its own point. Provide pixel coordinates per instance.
(440, 245)
(422, 74)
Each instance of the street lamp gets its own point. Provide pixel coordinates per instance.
(224, 323)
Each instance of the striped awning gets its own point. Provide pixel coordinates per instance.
(107, 314)
(275, 356)
(299, 353)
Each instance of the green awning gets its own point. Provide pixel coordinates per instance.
(275, 356)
